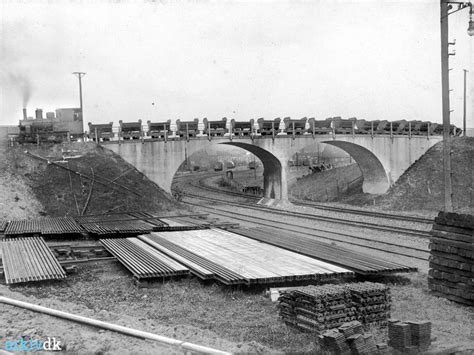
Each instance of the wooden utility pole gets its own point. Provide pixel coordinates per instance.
(464, 105)
(448, 203)
(80, 75)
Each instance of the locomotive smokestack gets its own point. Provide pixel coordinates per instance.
(24, 114)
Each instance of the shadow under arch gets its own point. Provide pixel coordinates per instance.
(375, 177)
(272, 169)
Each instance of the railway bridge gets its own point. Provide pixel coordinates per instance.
(382, 158)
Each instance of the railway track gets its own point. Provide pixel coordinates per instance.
(325, 234)
(351, 211)
(360, 224)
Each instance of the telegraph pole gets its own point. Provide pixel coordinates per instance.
(80, 75)
(464, 105)
(448, 203)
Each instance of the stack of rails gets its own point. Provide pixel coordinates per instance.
(234, 259)
(29, 259)
(182, 224)
(355, 261)
(118, 223)
(317, 308)
(3, 225)
(451, 272)
(142, 260)
(46, 226)
(117, 227)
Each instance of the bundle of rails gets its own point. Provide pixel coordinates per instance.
(101, 224)
(358, 262)
(142, 260)
(234, 259)
(59, 225)
(29, 259)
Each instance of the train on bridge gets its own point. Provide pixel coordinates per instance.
(261, 127)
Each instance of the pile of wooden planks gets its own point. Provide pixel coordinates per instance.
(234, 259)
(29, 259)
(409, 337)
(451, 272)
(350, 338)
(318, 308)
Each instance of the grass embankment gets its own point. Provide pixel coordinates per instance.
(328, 185)
(63, 193)
(421, 187)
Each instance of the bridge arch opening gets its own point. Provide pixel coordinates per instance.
(272, 167)
(272, 170)
(376, 180)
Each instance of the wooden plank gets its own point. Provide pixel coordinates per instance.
(444, 232)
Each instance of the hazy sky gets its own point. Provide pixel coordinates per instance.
(242, 60)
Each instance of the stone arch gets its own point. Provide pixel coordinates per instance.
(376, 180)
(272, 170)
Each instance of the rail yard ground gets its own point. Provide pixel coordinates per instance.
(237, 319)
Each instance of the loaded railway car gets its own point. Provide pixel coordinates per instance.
(319, 126)
(159, 129)
(102, 131)
(268, 127)
(295, 127)
(187, 128)
(130, 130)
(242, 128)
(215, 128)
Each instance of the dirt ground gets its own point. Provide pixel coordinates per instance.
(233, 319)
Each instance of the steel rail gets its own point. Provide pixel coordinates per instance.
(313, 232)
(416, 219)
(320, 218)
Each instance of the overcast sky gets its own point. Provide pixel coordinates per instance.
(242, 60)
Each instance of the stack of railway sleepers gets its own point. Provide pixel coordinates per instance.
(45, 226)
(317, 308)
(142, 260)
(355, 261)
(372, 302)
(409, 337)
(29, 259)
(451, 272)
(233, 259)
(349, 338)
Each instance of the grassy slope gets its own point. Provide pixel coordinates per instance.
(52, 185)
(326, 185)
(422, 185)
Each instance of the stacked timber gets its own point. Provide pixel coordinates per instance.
(318, 308)
(409, 337)
(451, 272)
(350, 338)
